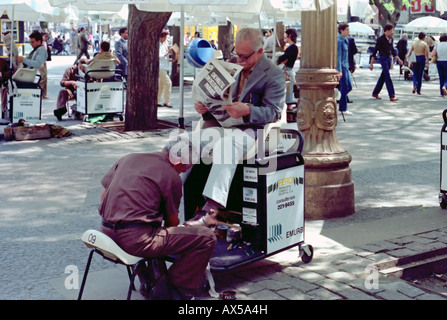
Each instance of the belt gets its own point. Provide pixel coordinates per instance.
(123, 225)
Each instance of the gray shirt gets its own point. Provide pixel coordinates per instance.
(37, 58)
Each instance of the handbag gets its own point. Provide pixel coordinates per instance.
(434, 58)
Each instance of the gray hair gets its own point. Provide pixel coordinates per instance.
(254, 35)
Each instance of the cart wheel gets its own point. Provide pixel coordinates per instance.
(442, 200)
(306, 253)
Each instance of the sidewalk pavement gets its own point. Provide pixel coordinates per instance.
(51, 188)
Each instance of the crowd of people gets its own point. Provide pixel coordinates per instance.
(424, 50)
(414, 59)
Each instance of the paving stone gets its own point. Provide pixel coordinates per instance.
(266, 295)
(292, 294)
(430, 296)
(303, 286)
(323, 294)
(332, 285)
(399, 253)
(341, 276)
(274, 285)
(310, 276)
(355, 294)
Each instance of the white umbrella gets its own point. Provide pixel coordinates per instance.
(97, 5)
(441, 6)
(23, 10)
(19, 11)
(360, 28)
(427, 24)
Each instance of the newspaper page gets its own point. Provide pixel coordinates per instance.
(213, 88)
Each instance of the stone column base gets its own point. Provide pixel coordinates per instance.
(328, 193)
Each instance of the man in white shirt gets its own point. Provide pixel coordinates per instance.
(164, 82)
(269, 42)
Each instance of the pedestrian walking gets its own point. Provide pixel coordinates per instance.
(421, 50)
(384, 46)
(402, 49)
(164, 82)
(440, 51)
(343, 66)
(83, 44)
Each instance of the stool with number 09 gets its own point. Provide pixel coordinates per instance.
(109, 250)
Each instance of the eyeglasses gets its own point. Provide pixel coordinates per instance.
(244, 57)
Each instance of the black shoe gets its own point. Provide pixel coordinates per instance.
(163, 290)
(145, 290)
(57, 114)
(350, 101)
(166, 105)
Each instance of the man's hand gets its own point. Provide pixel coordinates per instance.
(200, 107)
(70, 83)
(238, 109)
(20, 59)
(71, 96)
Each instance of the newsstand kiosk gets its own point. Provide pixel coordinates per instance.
(265, 208)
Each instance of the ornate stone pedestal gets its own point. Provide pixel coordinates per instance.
(329, 190)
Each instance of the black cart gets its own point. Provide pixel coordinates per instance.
(266, 203)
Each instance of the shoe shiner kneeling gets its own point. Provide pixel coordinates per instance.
(140, 206)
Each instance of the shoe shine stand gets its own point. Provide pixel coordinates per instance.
(266, 205)
(25, 96)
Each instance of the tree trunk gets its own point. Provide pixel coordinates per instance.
(225, 39)
(385, 16)
(142, 79)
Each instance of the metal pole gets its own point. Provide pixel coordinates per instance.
(181, 119)
(11, 53)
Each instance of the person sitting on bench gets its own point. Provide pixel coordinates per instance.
(258, 95)
(141, 191)
(68, 92)
(104, 54)
(38, 56)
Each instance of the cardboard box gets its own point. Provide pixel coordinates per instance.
(38, 131)
(8, 134)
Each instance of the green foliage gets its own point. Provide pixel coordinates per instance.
(389, 5)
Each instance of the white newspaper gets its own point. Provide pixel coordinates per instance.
(213, 88)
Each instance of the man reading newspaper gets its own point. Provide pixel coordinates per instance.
(232, 104)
